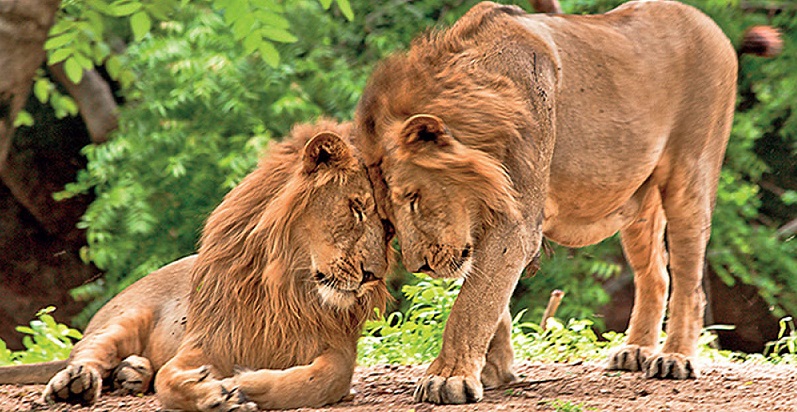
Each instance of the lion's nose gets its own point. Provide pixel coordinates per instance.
(367, 275)
(466, 251)
(425, 268)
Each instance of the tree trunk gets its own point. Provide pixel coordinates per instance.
(23, 30)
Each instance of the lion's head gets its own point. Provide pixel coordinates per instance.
(434, 129)
(441, 193)
(439, 178)
(303, 224)
(343, 234)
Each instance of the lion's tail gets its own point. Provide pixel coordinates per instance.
(34, 373)
(764, 41)
(546, 6)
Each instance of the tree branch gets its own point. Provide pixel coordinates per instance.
(94, 100)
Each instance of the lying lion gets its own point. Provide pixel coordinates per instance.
(267, 314)
(507, 127)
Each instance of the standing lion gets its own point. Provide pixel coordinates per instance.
(506, 127)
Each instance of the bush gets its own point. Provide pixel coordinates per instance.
(45, 340)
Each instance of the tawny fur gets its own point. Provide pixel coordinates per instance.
(607, 123)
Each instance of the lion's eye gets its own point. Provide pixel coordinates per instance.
(414, 198)
(357, 210)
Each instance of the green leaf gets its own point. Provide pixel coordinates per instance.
(278, 35)
(41, 89)
(60, 40)
(243, 26)
(325, 4)
(23, 119)
(113, 66)
(25, 329)
(83, 61)
(272, 19)
(60, 55)
(269, 53)
(73, 69)
(345, 8)
(124, 8)
(141, 24)
(252, 41)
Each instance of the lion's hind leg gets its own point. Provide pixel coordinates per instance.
(643, 244)
(75, 384)
(95, 357)
(688, 229)
(498, 368)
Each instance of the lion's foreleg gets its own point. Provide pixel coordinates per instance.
(498, 367)
(188, 382)
(324, 381)
(96, 356)
(455, 376)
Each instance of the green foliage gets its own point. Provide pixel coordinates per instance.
(784, 350)
(567, 406)
(560, 342)
(81, 36)
(45, 340)
(579, 273)
(415, 335)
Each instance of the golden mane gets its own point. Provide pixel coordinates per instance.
(252, 267)
(443, 74)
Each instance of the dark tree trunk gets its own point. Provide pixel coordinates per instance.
(23, 30)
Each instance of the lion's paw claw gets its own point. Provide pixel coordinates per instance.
(670, 366)
(230, 400)
(628, 358)
(452, 390)
(75, 384)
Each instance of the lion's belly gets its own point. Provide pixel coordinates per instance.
(582, 209)
(574, 231)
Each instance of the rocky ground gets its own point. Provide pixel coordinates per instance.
(726, 387)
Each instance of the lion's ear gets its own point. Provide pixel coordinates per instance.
(425, 128)
(325, 149)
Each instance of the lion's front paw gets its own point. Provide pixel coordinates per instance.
(75, 384)
(629, 358)
(132, 376)
(670, 365)
(451, 390)
(227, 400)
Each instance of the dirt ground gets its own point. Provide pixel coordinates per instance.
(725, 387)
